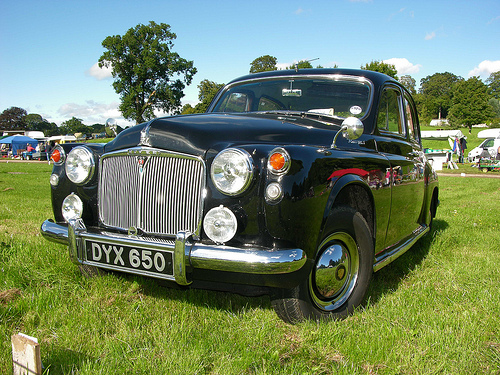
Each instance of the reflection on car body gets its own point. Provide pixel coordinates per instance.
(298, 183)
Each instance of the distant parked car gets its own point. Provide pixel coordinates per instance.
(488, 147)
(296, 183)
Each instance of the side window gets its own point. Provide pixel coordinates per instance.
(389, 115)
(410, 119)
(268, 104)
(236, 102)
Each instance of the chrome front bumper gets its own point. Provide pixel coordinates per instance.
(186, 252)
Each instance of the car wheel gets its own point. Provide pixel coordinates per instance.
(340, 276)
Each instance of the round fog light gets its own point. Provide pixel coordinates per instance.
(220, 224)
(72, 207)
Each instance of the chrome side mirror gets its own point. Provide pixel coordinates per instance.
(352, 128)
(112, 124)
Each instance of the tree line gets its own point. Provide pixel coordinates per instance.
(15, 118)
(149, 75)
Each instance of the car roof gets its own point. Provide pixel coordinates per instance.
(375, 77)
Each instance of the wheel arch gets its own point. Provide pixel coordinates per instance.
(351, 191)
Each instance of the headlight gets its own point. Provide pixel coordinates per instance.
(220, 224)
(80, 165)
(72, 207)
(232, 171)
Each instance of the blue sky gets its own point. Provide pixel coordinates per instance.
(48, 49)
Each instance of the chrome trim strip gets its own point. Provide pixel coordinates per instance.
(191, 254)
(180, 257)
(387, 257)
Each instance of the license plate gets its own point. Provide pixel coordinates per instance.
(130, 258)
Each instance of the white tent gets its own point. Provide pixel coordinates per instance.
(442, 134)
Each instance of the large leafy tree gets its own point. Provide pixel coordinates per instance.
(13, 119)
(148, 74)
(437, 94)
(382, 67)
(493, 83)
(470, 103)
(263, 64)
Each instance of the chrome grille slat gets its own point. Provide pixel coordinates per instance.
(162, 199)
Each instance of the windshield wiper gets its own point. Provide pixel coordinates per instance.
(320, 117)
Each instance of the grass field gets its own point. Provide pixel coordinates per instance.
(436, 310)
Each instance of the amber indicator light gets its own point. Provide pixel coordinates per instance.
(56, 156)
(277, 161)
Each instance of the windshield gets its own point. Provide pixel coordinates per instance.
(336, 97)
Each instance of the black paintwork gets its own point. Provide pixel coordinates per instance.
(358, 173)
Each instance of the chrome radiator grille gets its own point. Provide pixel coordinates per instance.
(152, 190)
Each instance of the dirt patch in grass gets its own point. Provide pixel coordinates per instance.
(9, 295)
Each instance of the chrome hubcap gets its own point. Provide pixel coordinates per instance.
(334, 276)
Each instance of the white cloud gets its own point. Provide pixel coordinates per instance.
(493, 20)
(93, 112)
(99, 73)
(485, 68)
(299, 11)
(430, 36)
(403, 66)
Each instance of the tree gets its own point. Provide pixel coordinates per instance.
(409, 83)
(187, 109)
(148, 74)
(493, 83)
(470, 103)
(382, 67)
(13, 119)
(74, 125)
(302, 64)
(207, 91)
(263, 64)
(34, 121)
(437, 94)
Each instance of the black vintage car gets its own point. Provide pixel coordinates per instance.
(296, 183)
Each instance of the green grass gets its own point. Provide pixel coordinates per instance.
(435, 310)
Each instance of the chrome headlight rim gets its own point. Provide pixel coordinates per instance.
(215, 170)
(62, 155)
(286, 161)
(89, 166)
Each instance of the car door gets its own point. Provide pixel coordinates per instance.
(399, 141)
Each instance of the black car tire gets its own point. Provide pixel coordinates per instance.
(351, 236)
